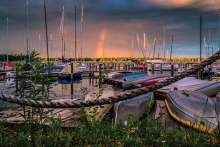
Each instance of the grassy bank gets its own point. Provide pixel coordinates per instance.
(144, 132)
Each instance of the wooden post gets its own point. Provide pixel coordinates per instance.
(96, 68)
(152, 68)
(161, 68)
(125, 66)
(16, 81)
(132, 66)
(3, 65)
(71, 73)
(199, 74)
(172, 71)
(185, 65)
(115, 66)
(100, 75)
(93, 69)
(90, 66)
(118, 65)
(13, 65)
(108, 66)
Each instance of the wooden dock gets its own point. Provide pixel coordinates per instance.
(160, 113)
(70, 116)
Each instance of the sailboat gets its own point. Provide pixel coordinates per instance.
(66, 70)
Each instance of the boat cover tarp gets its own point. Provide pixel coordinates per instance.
(194, 106)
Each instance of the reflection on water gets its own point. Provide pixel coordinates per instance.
(73, 89)
(62, 89)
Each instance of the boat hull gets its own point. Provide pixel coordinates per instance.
(96, 112)
(125, 111)
(193, 109)
(68, 75)
(152, 81)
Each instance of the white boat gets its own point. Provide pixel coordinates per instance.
(193, 109)
(97, 112)
(127, 110)
(209, 88)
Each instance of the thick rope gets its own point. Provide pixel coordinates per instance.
(113, 99)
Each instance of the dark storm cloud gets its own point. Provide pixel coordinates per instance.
(120, 18)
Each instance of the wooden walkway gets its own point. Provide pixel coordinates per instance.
(160, 113)
(70, 116)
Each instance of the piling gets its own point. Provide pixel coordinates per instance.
(152, 68)
(199, 74)
(71, 74)
(161, 66)
(132, 66)
(96, 68)
(125, 66)
(108, 66)
(185, 65)
(172, 69)
(100, 75)
(115, 66)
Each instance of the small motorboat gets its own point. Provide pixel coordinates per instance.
(97, 112)
(193, 109)
(152, 81)
(208, 88)
(66, 72)
(133, 82)
(120, 74)
(125, 111)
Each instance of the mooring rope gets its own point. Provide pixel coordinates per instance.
(112, 99)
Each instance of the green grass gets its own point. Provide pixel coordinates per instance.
(145, 132)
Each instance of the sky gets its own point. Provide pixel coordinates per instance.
(110, 28)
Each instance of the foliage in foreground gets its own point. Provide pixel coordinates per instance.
(145, 132)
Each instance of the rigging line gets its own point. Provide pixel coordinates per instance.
(152, 48)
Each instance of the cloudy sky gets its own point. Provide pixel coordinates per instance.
(111, 28)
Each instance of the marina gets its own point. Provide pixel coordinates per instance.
(64, 90)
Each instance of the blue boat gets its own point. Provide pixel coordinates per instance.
(68, 75)
(65, 81)
(66, 72)
(134, 76)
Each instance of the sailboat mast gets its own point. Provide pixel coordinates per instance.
(159, 47)
(3, 47)
(81, 30)
(132, 46)
(164, 43)
(62, 31)
(219, 29)
(154, 47)
(171, 48)
(7, 41)
(28, 43)
(75, 32)
(46, 31)
(200, 38)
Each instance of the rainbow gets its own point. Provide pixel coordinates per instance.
(99, 50)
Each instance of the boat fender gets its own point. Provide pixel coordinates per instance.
(185, 92)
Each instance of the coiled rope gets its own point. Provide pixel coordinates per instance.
(112, 99)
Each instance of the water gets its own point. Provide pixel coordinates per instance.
(63, 89)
